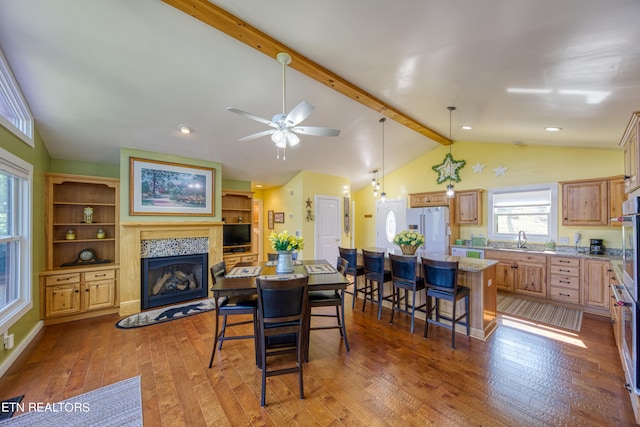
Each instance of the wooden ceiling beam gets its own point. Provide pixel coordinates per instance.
(233, 26)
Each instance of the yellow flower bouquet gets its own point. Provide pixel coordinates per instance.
(286, 242)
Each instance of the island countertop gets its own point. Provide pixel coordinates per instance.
(472, 265)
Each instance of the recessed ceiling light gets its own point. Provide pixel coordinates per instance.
(184, 129)
(466, 127)
(553, 129)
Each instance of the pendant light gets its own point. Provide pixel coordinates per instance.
(383, 195)
(450, 190)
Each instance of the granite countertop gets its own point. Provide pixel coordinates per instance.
(564, 252)
(472, 265)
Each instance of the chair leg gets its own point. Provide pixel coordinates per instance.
(380, 292)
(427, 316)
(393, 303)
(224, 328)
(367, 285)
(215, 339)
(466, 307)
(343, 329)
(413, 311)
(300, 371)
(453, 325)
(338, 318)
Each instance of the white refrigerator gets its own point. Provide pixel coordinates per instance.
(433, 223)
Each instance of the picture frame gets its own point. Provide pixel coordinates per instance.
(164, 188)
(270, 219)
(278, 217)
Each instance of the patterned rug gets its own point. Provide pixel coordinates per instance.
(116, 405)
(166, 314)
(551, 314)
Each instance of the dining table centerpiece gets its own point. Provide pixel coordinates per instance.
(409, 241)
(285, 244)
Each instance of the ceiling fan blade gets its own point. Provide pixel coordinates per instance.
(257, 135)
(299, 113)
(316, 131)
(252, 116)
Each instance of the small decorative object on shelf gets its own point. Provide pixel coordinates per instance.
(409, 241)
(100, 234)
(88, 215)
(285, 243)
(71, 235)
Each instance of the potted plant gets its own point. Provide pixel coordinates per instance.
(285, 243)
(409, 241)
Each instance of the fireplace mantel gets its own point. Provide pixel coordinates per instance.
(132, 233)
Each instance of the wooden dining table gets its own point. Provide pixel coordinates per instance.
(246, 285)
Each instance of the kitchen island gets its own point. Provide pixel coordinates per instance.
(479, 275)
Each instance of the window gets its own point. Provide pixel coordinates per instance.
(532, 209)
(15, 238)
(14, 111)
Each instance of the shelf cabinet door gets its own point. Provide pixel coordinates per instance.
(99, 294)
(62, 299)
(595, 283)
(531, 278)
(505, 276)
(468, 207)
(585, 202)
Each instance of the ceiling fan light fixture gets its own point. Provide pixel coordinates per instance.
(292, 139)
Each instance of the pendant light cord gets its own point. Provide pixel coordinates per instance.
(382, 120)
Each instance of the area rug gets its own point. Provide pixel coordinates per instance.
(562, 317)
(118, 404)
(166, 314)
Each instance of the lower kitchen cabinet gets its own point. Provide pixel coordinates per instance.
(520, 272)
(564, 279)
(79, 293)
(595, 283)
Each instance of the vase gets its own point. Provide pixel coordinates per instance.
(408, 250)
(285, 262)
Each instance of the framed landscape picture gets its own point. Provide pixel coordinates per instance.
(162, 188)
(278, 217)
(270, 219)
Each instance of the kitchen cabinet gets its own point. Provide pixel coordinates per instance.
(617, 195)
(585, 202)
(595, 283)
(616, 314)
(468, 207)
(74, 286)
(564, 279)
(520, 272)
(629, 144)
(422, 200)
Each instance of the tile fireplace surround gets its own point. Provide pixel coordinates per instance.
(132, 236)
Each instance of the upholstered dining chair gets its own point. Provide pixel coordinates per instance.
(231, 306)
(353, 271)
(404, 275)
(375, 277)
(441, 281)
(272, 256)
(281, 311)
(331, 299)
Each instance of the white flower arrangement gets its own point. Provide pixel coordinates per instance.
(408, 238)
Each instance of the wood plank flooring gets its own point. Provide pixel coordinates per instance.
(523, 375)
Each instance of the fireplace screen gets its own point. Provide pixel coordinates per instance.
(173, 279)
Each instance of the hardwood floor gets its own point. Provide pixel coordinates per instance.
(523, 375)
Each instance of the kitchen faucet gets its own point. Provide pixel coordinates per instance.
(522, 239)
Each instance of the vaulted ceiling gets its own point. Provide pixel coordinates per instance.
(100, 75)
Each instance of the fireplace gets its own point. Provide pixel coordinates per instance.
(173, 279)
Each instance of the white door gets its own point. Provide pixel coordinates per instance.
(327, 227)
(391, 218)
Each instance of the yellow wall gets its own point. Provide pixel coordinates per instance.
(526, 165)
(291, 199)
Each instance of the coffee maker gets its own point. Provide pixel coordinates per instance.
(596, 247)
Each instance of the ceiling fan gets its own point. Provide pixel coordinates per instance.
(286, 126)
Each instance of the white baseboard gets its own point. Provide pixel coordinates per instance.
(4, 367)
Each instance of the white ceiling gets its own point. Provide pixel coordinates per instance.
(100, 75)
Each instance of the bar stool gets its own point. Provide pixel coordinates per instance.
(354, 271)
(375, 276)
(441, 281)
(404, 276)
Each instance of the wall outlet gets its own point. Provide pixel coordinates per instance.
(564, 240)
(8, 341)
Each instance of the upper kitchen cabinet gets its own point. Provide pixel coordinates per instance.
(468, 207)
(591, 201)
(424, 200)
(629, 143)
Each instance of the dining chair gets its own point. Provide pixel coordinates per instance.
(232, 306)
(375, 276)
(272, 256)
(331, 299)
(354, 271)
(281, 313)
(404, 275)
(441, 282)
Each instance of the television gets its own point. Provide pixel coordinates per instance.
(236, 234)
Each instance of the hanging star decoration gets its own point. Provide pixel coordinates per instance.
(477, 168)
(501, 170)
(448, 169)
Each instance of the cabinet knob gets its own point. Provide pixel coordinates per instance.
(626, 177)
(77, 291)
